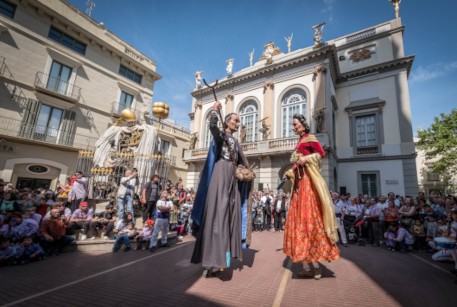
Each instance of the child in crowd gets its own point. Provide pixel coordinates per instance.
(419, 235)
(144, 237)
(431, 229)
(6, 252)
(389, 235)
(29, 251)
(125, 234)
(42, 207)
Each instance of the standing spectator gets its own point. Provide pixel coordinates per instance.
(49, 196)
(391, 213)
(391, 197)
(266, 201)
(78, 192)
(164, 207)
(382, 205)
(374, 229)
(145, 235)
(149, 197)
(419, 235)
(279, 207)
(63, 191)
(81, 218)
(53, 232)
(340, 208)
(125, 192)
(407, 212)
(105, 221)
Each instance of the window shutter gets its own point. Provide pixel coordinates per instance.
(67, 128)
(29, 119)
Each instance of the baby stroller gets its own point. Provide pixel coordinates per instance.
(351, 229)
(361, 240)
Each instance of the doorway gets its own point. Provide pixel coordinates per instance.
(33, 183)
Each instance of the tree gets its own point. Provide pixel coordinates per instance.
(439, 142)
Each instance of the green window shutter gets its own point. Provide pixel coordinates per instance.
(29, 119)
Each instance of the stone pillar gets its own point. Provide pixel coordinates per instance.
(197, 120)
(268, 91)
(318, 112)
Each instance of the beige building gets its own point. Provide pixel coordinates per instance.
(64, 80)
(353, 91)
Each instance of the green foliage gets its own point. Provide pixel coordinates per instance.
(440, 141)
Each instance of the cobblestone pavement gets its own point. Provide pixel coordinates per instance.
(363, 276)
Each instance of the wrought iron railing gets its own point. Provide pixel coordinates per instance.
(48, 135)
(368, 150)
(57, 85)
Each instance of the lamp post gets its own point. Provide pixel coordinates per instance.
(160, 110)
(396, 4)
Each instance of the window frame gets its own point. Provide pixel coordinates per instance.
(377, 182)
(4, 9)
(130, 74)
(126, 95)
(286, 119)
(67, 40)
(254, 135)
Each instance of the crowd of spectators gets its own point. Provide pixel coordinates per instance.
(39, 223)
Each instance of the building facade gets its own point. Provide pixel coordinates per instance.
(64, 80)
(354, 93)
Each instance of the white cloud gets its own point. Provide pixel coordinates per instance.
(425, 73)
(328, 9)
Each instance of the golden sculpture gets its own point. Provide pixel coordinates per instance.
(396, 4)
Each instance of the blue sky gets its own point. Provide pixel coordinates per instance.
(183, 36)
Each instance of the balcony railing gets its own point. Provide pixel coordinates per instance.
(367, 150)
(16, 128)
(117, 107)
(57, 86)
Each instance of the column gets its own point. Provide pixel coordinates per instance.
(319, 104)
(268, 91)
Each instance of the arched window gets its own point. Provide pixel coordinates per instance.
(249, 119)
(293, 102)
(208, 136)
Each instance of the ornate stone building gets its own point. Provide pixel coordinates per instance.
(64, 78)
(353, 91)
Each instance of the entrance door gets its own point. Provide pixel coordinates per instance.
(33, 183)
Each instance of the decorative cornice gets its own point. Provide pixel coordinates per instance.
(268, 85)
(229, 97)
(198, 104)
(319, 69)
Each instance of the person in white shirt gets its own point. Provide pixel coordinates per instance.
(125, 193)
(161, 224)
(339, 211)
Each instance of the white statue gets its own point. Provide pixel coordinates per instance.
(251, 56)
(268, 53)
(318, 34)
(229, 67)
(198, 79)
(289, 42)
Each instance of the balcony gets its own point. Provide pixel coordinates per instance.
(45, 135)
(57, 87)
(367, 150)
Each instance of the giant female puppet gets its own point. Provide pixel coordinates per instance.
(310, 233)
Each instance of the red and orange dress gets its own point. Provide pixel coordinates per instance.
(310, 233)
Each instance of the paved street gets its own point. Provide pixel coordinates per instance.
(363, 276)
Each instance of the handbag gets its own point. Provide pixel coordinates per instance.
(245, 174)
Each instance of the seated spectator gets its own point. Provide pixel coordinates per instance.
(49, 196)
(404, 238)
(389, 235)
(105, 221)
(19, 228)
(29, 251)
(124, 235)
(53, 231)
(164, 207)
(42, 208)
(80, 219)
(62, 209)
(9, 204)
(7, 253)
(145, 235)
(30, 213)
